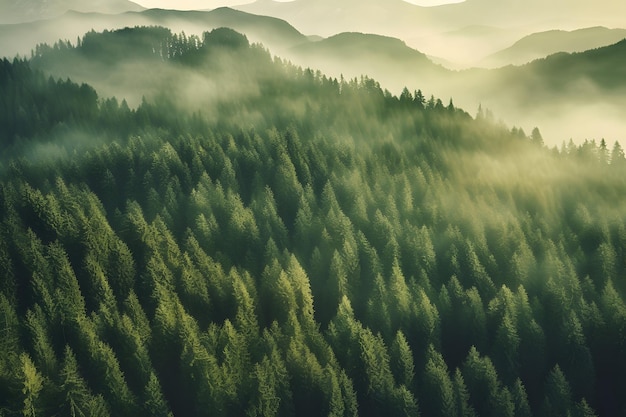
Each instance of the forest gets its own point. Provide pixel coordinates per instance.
(254, 238)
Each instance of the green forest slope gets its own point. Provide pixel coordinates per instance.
(542, 44)
(297, 245)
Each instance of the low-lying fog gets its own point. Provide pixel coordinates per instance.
(578, 109)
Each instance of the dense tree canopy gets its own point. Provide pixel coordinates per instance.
(309, 246)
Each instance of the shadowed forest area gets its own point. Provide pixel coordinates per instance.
(254, 238)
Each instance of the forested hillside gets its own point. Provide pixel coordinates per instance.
(298, 245)
(543, 44)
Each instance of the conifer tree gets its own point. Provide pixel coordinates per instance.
(402, 364)
(438, 397)
(558, 396)
(461, 396)
(32, 386)
(154, 403)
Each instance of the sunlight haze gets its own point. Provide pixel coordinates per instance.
(211, 4)
(347, 208)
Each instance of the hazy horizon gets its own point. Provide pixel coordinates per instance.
(216, 213)
(211, 4)
(471, 34)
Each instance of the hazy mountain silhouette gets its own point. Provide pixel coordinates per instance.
(351, 54)
(533, 13)
(273, 33)
(329, 17)
(579, 95)
(462, 48)
(401, 19)
(539, 45)
(602, 69)
(543, 91)
(491, 25)
(29, 10)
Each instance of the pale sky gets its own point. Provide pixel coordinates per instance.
(211, 4)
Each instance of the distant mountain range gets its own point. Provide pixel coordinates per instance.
(441, 31)
(533, 14)
(580, 95)
(388, 60)
(20, 11)
(459, 35)
(535, 93)
(462, 48)
(540, 45)
(329, 17)
(601, 70)
(402, 19)
(384, 58)
(571, 95)
(274, 33)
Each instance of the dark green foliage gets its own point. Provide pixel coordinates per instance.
(33, 106)
(437, 387)
(119, 44)
(558, 396)
(297, 246)
(76, 398)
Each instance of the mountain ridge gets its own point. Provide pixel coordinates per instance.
(352, 54)
(543, 44)
(23, 11)
(398, 17)
(424, 27)
(20, 38)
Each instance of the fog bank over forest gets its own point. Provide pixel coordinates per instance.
(579, 105)
(214, 213)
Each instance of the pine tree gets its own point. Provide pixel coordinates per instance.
(461, 396)
(419, 99)
(43, 352)
(482, 382)
(32, 385)
(76, 398)
(154, 402)
(558, 396)
(583, 409)
(438, 397)
(536, 137)
(9, 329)
(617, 155)
(520, 400)
(402, 361)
